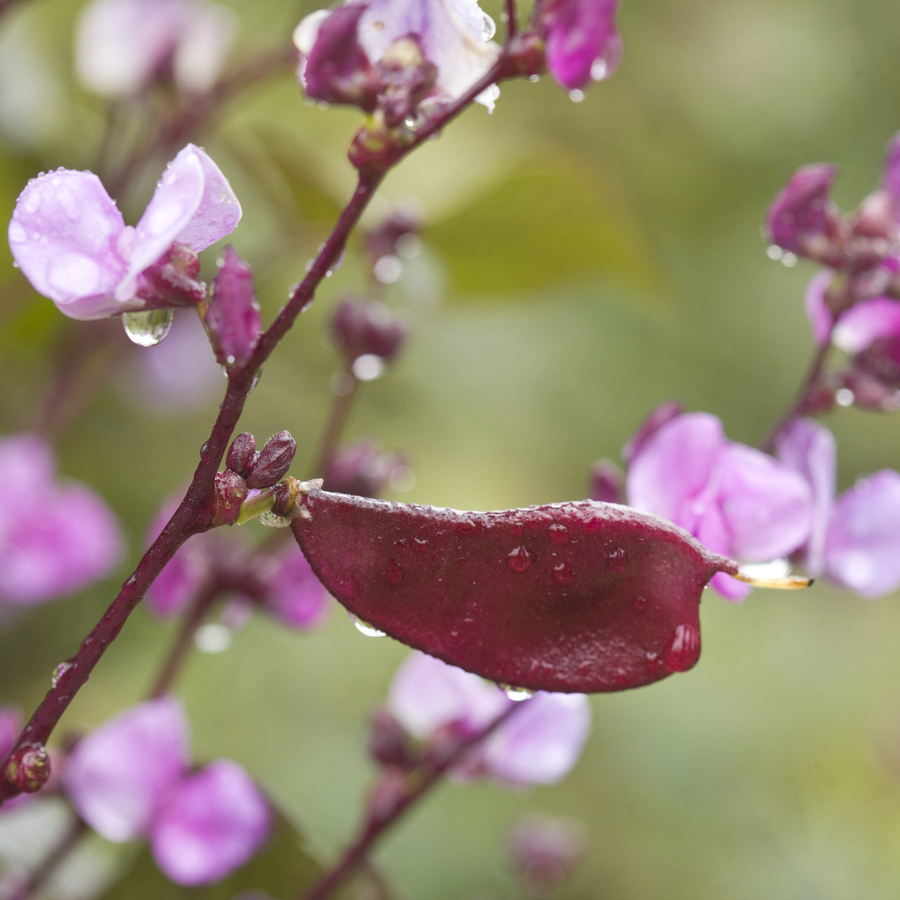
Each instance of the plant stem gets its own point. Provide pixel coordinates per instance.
(512, 24)
(798, 406)
(194, 513)
(337, 420)
(375, 828)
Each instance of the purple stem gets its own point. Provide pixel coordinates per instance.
(375, 828)
(337, 420)
(194, 513)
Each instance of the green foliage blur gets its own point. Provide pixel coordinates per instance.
(580, 263)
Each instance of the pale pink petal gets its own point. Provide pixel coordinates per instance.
(866, 322)
(63, 235)
(218, 212)
(809, 449)
(120, 776)
(204, 45)
(819, 315)
(674, 465)
(863, 548)
(295, 595)
(767, 507)
(542, 742)
(427, 694)
(214, 822)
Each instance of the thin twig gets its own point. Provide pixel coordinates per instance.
(512, 24)
(375, 828)
(337, 420)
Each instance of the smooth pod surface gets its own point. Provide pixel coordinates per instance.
(583, 597)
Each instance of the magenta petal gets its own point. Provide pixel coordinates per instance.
(295, 595)
(542, 742)
(673, 465)
(583, 44)
(810, 450)
(800, 212)
(120, 776)
(767, 507)
(863, 547)
(28, 467)
(193, 205)
(819, 315)
(215, 822)
(867, 322)
(427, 694)
(63, 235)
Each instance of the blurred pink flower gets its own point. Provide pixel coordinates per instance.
(72, 244)
(55, 537)
(129, 780)
(855, 539)
(539, 745)
(10, 725)
(123, 46)
(735, 500)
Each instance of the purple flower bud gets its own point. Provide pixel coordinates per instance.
(72, 244)
(361, 470)
(230, 494)
(337, 69)
(384, 240)
(214, 822)
(55, 538)
(391, 789)
(363, 328)
(539, 745)
(388, 743)
(241, 453)
(29, 768)
(583, 44)
(802, 218)
(607, 482)
(273, 462)
(735, 500)
(233, 315)
(544, 852)
(123, 46)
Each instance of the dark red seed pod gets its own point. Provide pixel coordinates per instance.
(576, 597)
(29, 768)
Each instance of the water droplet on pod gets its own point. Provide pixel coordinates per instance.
(365, 628)
(519, 559)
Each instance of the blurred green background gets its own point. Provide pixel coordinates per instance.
(581, 262)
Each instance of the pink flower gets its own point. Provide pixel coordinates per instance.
(72, 244)
(801, 216)
(123, 46)
(129, 780)
(55, 537)
(735, 500)
(538, 745)
(452, 35)
(855, 539)
(583, 44)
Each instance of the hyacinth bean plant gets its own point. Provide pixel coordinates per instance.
(514, 616)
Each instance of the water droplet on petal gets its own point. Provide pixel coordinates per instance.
(599, 68)
(683, 650)
(213, 638)
(489, 28)
(773, 251)
(147, 329)
(365, 628)
(576, 96)
(845, 397)
(17, 233)
(270, 520)
(520, 559)
(368, 367)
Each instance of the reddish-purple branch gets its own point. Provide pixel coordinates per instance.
(376, 827)
(194, 512)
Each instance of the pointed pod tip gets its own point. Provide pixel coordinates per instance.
(789, 583)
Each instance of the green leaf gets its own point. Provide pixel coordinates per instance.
(551, 221)
(282, 870)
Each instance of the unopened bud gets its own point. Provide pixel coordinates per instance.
(876, 217)
(241, 453)
(230, 493)
(544, 851)
(359, 469)
(364, 329)
(800, 217)
(606, 482)
(384, 240)
(233, 317)
(273, 462)
(29, 768)
(389, 744)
